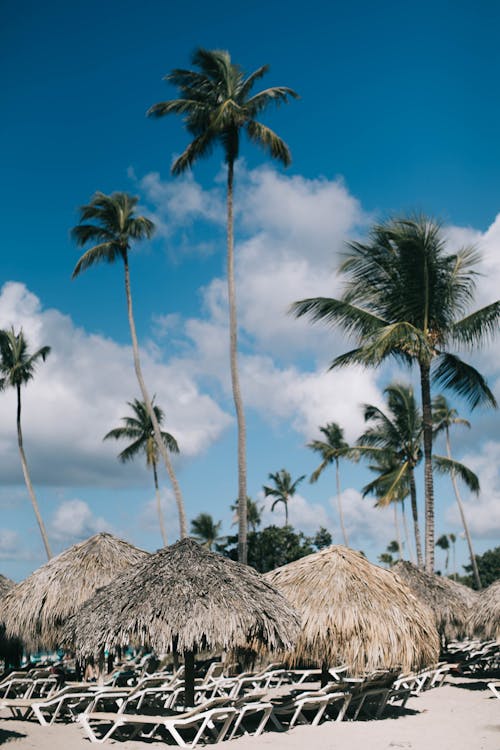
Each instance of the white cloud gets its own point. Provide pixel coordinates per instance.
(302, 514)
(10, 545)
(74, 521)
(482, 512)
(149, 521)
(365, 524)
(80, 393)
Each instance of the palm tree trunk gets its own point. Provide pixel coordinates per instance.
(414, 512)
(398, 533)
(339, 504)
(235, 380)
(462, 516)
(163, 530)
(286, 510)
(409, 548)
(27, 479)
(147, 401)
(428, 477)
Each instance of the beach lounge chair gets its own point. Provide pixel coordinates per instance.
(209, 721)
(495, 688)
(302, 709)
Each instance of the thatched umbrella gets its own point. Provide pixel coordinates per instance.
(485, 619)
(10, 648)
(185, 598)
(449, 605)
(35, 609)
(355, 613)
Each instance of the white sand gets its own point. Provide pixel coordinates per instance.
(461, 715)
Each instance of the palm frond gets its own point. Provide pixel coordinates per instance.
(478, 326)
(270, 141)
(107, 251)
(275, 94)
(452, 372)
(352, 319)
(201, 146)
(444, 465)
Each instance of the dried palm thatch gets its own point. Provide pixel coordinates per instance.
(485, 618)
(470, 596)
(5, 585)
(184, 598)
(449, 605)
(355, 613)
(35, 609)
(187, 596)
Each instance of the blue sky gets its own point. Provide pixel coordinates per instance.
(398, 112)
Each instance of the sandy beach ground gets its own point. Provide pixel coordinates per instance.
(461, 715)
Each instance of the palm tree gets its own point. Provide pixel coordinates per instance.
(139, 429)
(444, 417)
(17, 368)
(331, 449)
(254, 513)
(216, 104)
(205, 530)
(405, 297)
(283, 489)
(394, 440)
(110, 221)
(444, 543)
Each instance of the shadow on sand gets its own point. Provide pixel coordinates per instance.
(6, 735)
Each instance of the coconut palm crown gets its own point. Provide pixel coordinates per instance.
(217, 104)
(284, 488)
(111, 222)
(407, 297)
(139, 428)
(17, 368)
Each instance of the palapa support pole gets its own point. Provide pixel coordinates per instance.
(189, 679)
(325, 674)
(100, 667)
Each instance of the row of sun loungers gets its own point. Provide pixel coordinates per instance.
(224, 706)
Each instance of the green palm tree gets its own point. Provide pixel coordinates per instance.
(254, 513)
(331, 449)
(17, 368)
(283, 489)
(394, 440)
(205, 530)
(110, 221)
(444, 543)
(405, 297)
(444, 417)
(386, 466)
(139, 429)
(217, 105)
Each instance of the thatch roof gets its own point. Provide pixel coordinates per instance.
(485, 619)
(5, 585)
(448, 604)
(470, 596)
(35, 609)
(185, 595)
(355, 613)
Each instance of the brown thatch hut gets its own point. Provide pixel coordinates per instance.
(185, 598)
(485, 618)
(10, 648)
(35, 609)
(449, 605)
(355, 613)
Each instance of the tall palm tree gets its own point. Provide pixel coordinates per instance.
(284, 488)
(405, 297)
(139, 429)
(444, 417)
(110, 221)
(17, 368)
(205, 530)
(394, 440)
(444, 543)
(216, 105)
(331, 449)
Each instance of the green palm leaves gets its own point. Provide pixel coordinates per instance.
(216, 104)
(331, 449)
(110, 222)
(139, 429)
(405, 297)
(284, 488)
